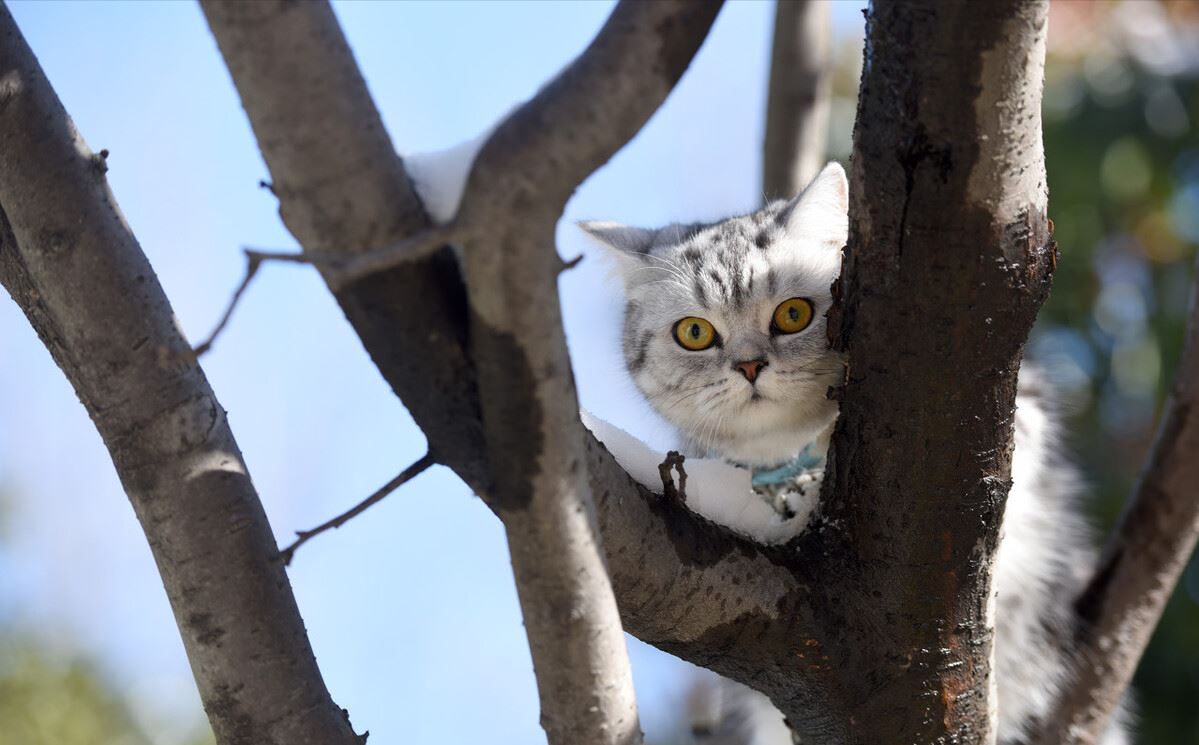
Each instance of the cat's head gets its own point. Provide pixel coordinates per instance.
(724, 328)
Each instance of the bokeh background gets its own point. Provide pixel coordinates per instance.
(411, 607)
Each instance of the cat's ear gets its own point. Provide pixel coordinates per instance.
(820, 211)
(624, 238)
(628, 246)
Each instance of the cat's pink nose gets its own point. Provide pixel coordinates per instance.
(751, 369)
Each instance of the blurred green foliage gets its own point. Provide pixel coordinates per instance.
(41, 704)
(44, 701)
(1121, 102)
(49, 696)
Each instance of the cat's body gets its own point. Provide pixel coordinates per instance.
(724, 333)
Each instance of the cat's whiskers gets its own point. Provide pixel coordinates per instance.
(716, 415)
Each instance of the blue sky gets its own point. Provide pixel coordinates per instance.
(410, 608)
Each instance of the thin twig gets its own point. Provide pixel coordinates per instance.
(303, 536)
(252, 264)
(346, 270)
(340, 270)
(254, 260)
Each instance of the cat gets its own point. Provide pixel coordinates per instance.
(725, 336)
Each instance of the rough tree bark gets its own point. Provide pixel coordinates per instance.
(883, 604)
(778, 607)
(793, 149)
(343, 189)
(536, 478)
(70, 262)
(664, 562)
(949, 259)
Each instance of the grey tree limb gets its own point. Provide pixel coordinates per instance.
(831, 626)
(797, 111)
(601, 100)
(1142, 562)
(343, 190)
(517, 189)
(664, 561)
(70, 262)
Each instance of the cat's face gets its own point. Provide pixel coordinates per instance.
(724, 328)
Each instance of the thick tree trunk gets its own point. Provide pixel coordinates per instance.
(949, 259)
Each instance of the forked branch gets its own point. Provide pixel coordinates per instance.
(533, 162)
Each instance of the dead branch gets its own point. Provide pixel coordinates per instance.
(793, 149)
(1142, 562)
(68, 259)
(254, 260)
(340, 270)
(670, 490)
(303, 536)
(354, 268)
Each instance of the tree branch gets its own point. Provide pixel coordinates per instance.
(1142, 562)
(797, 109)
(343, 190)
(970, 154)
(664, 561)
(340, 270)
(663, 558)
(581, 118)
(69, 260)
(303, 536)
(518, 186)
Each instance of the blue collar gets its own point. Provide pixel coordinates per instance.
(807, 459)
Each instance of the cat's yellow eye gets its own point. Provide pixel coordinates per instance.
(694, 333)
(792, 316)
